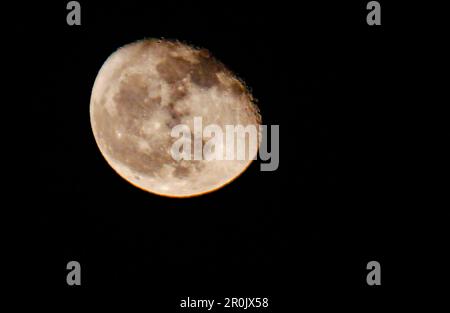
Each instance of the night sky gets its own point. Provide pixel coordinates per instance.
(301, 235)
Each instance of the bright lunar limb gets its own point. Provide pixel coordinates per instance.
(146, 88)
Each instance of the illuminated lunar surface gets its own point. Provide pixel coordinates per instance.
(146, 88)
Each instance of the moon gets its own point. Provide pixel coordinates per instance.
(146, 88)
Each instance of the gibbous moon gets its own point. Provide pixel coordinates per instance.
(146, 88)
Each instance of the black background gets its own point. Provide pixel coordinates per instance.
(301, 235)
